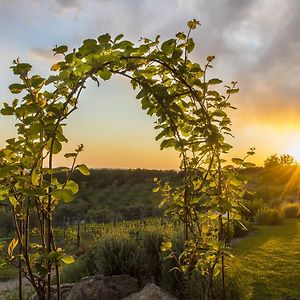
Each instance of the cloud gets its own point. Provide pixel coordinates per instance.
(42, 55)
(70, 7)
(69, 3)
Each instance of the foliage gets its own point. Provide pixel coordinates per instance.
(117, 255)
(75, 272)
(253, 206)
(191, 113)
(268, 217)
(291, 210)
(284, 160)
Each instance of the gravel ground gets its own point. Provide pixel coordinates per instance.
(11, 286)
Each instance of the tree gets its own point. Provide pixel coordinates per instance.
(284, 160)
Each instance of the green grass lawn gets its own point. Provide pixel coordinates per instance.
(271, 258)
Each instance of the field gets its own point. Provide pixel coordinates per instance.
(268, 257)
(271, 258)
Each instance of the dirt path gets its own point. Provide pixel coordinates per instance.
(11, 286)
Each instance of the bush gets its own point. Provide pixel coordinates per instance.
(291, 210)
(275, 203)
(173, 280)
(268, 217)
(117, 255)
(253, 207)
(239, 230)
(74, 272)
(151, 257)
(137, 255)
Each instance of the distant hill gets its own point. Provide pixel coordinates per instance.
(115, 194)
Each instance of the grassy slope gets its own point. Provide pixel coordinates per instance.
(271, 257)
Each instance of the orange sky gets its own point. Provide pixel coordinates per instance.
(257, 48)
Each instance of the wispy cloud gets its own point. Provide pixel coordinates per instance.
(42, 55)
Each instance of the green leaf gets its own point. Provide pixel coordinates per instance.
(156, 189)
(181, 36)
(13, 201)
(2, 244)
(7, 111)
(17, 88)
(70, 154)
(57, 146)
(232, 91)
(35, 177)
(118, 37)
(11, 247)
(193, 24)
(83, 169)
(41, 270)
(21, 69)
(123, 45)
(68, 259)
(54, 68)
(248, 165)
(219, 113)
(90, 43)
(60, 50)
(168, 46)
(215, 81)
(190, 45)
(195, 68)
(105, 74)
(63, 195)
(142, 93)
(51, 79)
(166, 246)
(104, 39)
(167, 143)
(72, 186)
(205, 229)
(237, 161)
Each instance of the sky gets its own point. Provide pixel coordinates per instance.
(256, 42)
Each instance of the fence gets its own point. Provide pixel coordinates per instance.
(73, 231)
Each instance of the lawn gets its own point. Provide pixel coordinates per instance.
(271, 258)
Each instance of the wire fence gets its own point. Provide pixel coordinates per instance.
(75, 231)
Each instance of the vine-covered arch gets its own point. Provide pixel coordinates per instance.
(191, 118)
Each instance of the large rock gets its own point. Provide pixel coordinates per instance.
(151, 292)
(114, 287)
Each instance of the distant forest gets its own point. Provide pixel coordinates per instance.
(111, 195)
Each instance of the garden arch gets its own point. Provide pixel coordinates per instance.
(191, 118)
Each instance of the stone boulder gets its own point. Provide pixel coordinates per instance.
(114, 287)
(151, 292)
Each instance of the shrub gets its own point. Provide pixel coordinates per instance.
(117, 255)
(268, 217)
(291, 210)
(253, 207)
(137, 255)
(74, 272)
(151, 258)
(173, 280)
(239, 230)
(275, 203)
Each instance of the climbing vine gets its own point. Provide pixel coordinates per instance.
(191, 117)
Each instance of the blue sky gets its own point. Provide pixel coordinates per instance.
(256, 43)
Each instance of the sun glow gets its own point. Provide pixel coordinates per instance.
(294, 150)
